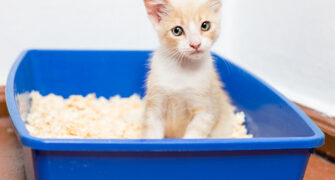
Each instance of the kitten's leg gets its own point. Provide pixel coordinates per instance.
(153, 124)
(226, 117)
(201, 125)
(225, 125)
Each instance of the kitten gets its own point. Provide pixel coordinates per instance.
(184, 97)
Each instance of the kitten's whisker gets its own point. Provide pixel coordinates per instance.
(227, 66)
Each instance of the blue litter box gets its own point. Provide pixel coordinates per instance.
(284, 136)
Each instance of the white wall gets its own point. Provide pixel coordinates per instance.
(288, 43)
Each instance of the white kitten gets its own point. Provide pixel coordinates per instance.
(184, 94)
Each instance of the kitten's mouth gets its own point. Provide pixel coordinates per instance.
(196, 52)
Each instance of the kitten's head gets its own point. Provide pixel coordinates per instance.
(185, 27)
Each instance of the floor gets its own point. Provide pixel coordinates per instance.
(319, 169)
(11, 161)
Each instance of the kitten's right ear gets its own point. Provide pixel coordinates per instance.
(156, 9)
(215, 5)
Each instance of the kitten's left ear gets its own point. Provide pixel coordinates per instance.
(215, 5)
(156, 9)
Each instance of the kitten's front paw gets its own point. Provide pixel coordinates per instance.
(194, 135)
(152, 134)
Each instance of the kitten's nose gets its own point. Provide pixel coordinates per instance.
(195, 46)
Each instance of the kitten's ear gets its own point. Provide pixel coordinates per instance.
(215, 5)
(156, 9)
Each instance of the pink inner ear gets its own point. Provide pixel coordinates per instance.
(156, 9)
(157, 12)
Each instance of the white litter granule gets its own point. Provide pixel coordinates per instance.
(239, 129)
(53, 116)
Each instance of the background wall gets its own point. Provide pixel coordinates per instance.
(288, 43)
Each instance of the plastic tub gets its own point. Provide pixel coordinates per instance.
(284, 135)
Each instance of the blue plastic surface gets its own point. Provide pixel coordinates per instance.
(284, 135)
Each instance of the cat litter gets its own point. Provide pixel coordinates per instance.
(53, 116)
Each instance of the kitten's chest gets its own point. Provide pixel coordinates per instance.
(177, 80)
(173, 75)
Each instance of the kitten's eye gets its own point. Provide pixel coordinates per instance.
(205, 26)
(177, 31)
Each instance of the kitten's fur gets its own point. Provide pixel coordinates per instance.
(184, 94)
